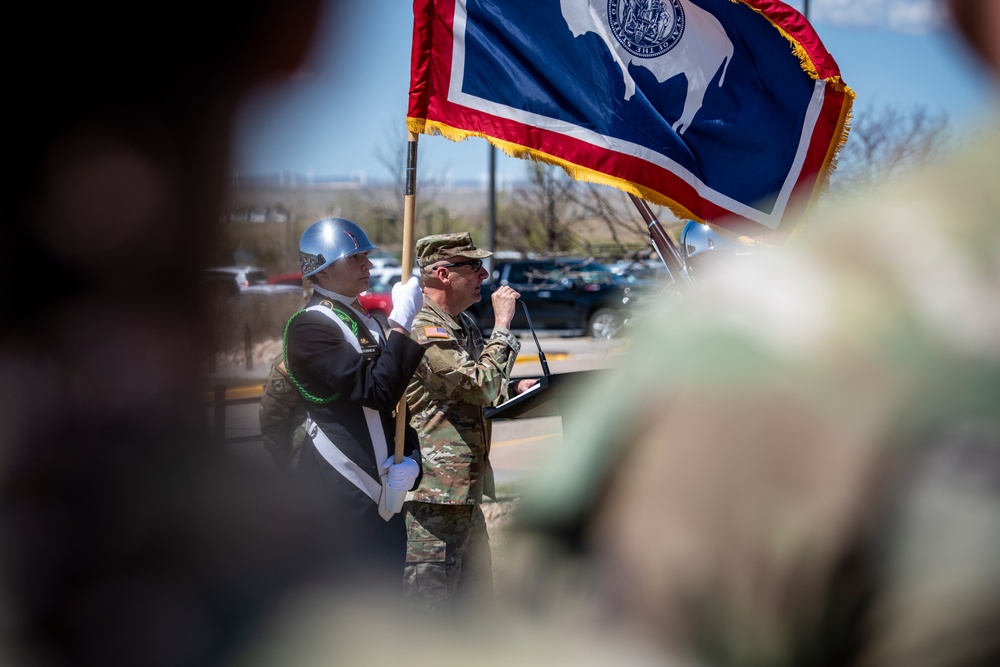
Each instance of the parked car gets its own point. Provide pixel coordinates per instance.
(233, 280)
(383, 259)
(377, 299)
(572, 296)
(390, 275)
(294, 279)
(642, 272)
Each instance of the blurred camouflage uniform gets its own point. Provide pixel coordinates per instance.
(282, 416)
(799, 462)
(461, 374)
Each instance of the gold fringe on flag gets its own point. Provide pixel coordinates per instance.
(575, 171)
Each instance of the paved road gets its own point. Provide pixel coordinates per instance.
(518, 444)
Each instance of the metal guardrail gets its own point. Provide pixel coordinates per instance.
(219, 403)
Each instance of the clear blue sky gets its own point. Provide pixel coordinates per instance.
(349, 102)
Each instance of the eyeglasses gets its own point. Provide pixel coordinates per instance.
(476, 264)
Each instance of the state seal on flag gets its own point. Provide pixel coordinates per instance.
(646, 29)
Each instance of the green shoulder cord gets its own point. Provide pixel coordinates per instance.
(288, 368)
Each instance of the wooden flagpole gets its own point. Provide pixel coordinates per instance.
(409, 212)
(663, 244)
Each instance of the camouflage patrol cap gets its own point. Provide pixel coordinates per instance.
(440, 247)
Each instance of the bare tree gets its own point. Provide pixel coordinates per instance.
(615, 211)
(552, 212)
(385, 200)
(541, 213)
(886, 141)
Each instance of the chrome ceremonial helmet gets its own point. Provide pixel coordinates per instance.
(696, 238)
(328, 240)
(700, 242)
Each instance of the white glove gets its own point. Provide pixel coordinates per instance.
(401, 475)
(407, 299)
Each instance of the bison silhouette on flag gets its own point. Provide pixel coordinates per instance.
(667, 38)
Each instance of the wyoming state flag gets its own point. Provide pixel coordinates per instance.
(727, 111)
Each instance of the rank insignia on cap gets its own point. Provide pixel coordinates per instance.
(436, 332)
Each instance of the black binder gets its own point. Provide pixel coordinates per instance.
(548, 397)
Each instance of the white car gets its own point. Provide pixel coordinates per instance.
(381, 259)
(389, 275)
(243, 280)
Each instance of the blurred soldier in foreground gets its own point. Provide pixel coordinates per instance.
(448, 549)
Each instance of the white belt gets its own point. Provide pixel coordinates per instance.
(351, 471)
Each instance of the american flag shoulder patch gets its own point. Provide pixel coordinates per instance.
(436, 332)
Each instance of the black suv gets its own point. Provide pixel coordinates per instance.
(572, 296)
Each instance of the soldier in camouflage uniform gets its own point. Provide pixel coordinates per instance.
(282, 416)
(461, 374)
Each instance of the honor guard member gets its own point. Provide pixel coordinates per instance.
(352, 375)
(448, 549)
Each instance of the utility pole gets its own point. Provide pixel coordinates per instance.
(805, 9)
(491, 241)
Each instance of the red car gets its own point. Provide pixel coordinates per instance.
(286, 279)
(377, 300)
